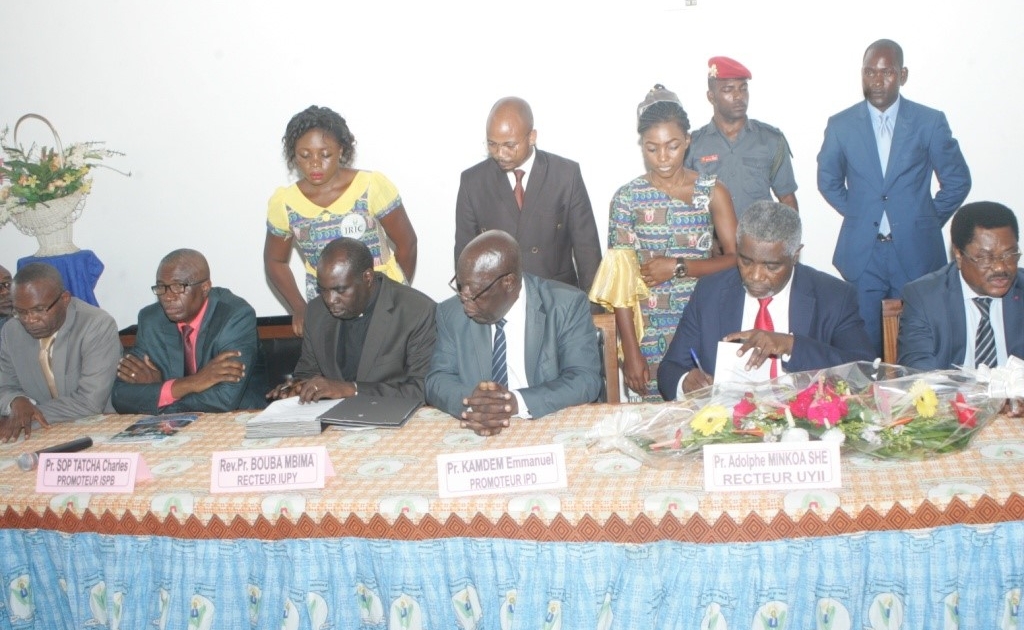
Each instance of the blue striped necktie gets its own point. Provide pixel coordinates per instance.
(984, 338)
(499, 366)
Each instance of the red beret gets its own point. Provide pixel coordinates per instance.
(725, 68)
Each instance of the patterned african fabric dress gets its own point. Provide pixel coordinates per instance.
(356, 214)
(644, 223)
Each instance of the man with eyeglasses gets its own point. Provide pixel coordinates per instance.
(537, 197)
(875, 168)
(57, 363)
(510, 344)
(196, 349)
(972, 310)
(365, 334)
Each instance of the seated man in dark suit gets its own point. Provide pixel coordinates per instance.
(971, 311)
(785, 312)
(196, 349)
(510, 344)
(365, 334)
(57, 361)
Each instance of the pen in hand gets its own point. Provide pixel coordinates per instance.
(696, 361)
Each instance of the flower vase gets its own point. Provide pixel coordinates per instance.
(51, 223)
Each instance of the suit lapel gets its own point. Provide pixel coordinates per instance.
(868, 142)
(1013, 317)
(379, 325)
(957, 316)
(481, 339)
(536, 319)
(204, 340)
(59, 352)
(802, 303)
(538, 174)
(507, 196)
(900, 136)
(731, 307)
(172, 346)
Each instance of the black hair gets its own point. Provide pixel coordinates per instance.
(328, 121)
(662, 112)
(983, 214)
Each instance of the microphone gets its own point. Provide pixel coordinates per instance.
(29, 461)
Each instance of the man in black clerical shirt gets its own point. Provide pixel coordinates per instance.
(365, 334)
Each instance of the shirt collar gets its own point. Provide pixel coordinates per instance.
(197, 320)
(892, 111)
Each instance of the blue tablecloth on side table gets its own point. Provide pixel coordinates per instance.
(81, 270)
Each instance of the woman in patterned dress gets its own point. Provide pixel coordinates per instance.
(660, 233)
(329, 201)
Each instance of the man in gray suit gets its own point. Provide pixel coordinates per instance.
(366, 334)
(510, 344)
(58, 361)
(537, 197)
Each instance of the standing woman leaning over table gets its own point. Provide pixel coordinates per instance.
(329, 201)
(660, 233)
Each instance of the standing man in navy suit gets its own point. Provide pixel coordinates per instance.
(537, 197)
(972, 310)
(875, 168)
(812, 316)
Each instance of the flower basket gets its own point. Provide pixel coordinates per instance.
(886, 411)
(51, 223)
(43, 192)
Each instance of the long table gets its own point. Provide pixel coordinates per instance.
(900, 545)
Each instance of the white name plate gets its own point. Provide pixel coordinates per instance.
(772, 466)
(270, 470)
(90, 472)
(501, 471)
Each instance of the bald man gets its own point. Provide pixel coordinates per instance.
(196, 348)
(510, 344)
(537, 197)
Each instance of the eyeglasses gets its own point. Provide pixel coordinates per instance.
(177, 288)
(35, 313)
(455, 286)
(987, 261)
(5, 286)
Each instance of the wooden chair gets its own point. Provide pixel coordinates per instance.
(891, 311)
(608, 344)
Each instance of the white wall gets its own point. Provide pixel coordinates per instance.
(198, 94)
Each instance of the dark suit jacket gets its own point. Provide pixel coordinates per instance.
(823, 320)
(555, 227)
(229, 324)
(84, 360)
(850, 179)
(561, 351)
(396, 352)
(933, 326)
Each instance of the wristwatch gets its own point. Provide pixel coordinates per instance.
(680, 268)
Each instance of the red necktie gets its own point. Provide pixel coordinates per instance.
(763, 321)
(519, 191)
(190, 350)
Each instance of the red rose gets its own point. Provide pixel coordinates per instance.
(965, 414)
(742, 409)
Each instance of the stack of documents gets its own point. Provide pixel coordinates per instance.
(288, 418)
